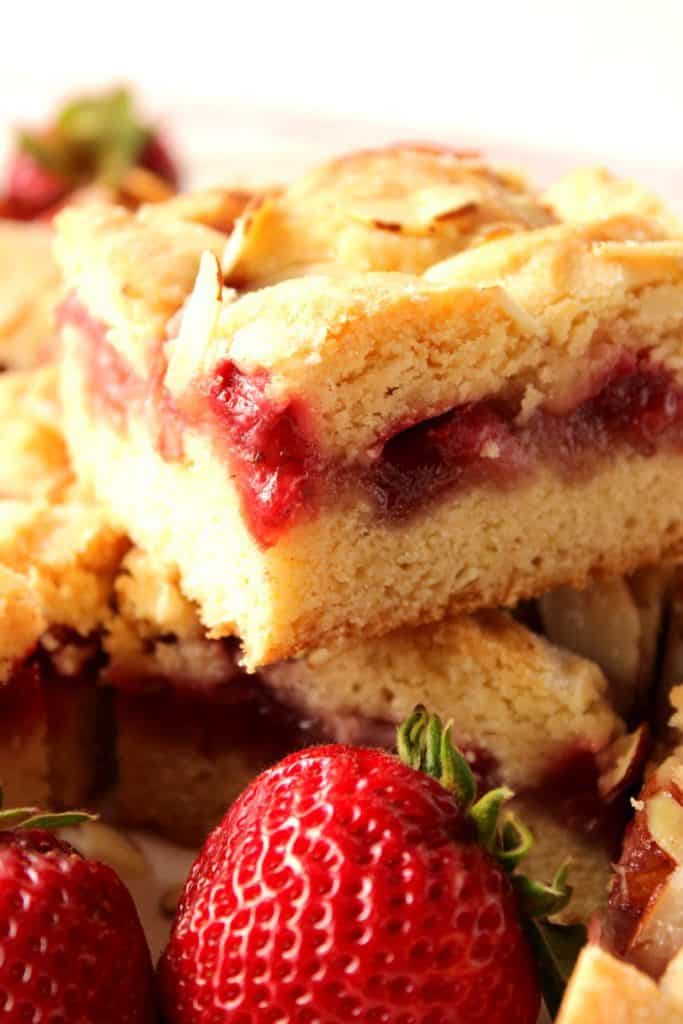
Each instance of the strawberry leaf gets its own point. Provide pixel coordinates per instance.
(555, 948)
(425, 744)
(516, 841)
(485, 814)
(65, 819)
(537, 899)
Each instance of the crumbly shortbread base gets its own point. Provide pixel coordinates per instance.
(347, 573)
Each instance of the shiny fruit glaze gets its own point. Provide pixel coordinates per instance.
(343, 885)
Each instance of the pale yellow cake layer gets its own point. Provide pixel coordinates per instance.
(29, 288)
(169, 779)
(348, 573)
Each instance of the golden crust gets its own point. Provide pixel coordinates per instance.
(35, 461)
(21, 620)
(400, 208)
(139, 267)
(69, 553)
(29, 288)
(366, 351)
(147, 611)
(593, 193)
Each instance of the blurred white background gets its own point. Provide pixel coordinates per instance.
(272, 83)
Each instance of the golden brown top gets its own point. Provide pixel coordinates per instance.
(526, 313)
(21, 620)
(400, 208)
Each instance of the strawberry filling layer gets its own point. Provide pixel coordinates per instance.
(280, 473)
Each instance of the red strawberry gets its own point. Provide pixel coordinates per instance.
(343, 886)
(72, 950)
(32, 188)
(92, 139)
(156, 157)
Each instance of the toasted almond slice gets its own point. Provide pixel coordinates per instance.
(187, 350)
(417, 213)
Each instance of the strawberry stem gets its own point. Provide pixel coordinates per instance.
(425, 744)
(485, 814)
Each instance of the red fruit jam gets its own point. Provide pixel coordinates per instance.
(637, 405)
(268, 449)
(112, 384)
(471, 443)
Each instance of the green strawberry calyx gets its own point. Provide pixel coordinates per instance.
(93, 137)
(424, 743)
(16, 818)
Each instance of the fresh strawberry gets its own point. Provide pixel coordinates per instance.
(156, 157)
(72, 950)
(93, 139)
(345, 885)
(32, 188)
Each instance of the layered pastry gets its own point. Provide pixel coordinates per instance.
(114, 639)
(337, 455)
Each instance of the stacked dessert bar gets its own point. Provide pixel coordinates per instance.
(404, 431)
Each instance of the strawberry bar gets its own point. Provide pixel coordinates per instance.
(341, 454)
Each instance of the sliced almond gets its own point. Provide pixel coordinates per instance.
(417, 213)
(188, 349)
(660, 932)
(600, 623)
(621, 764)
(665, 824)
